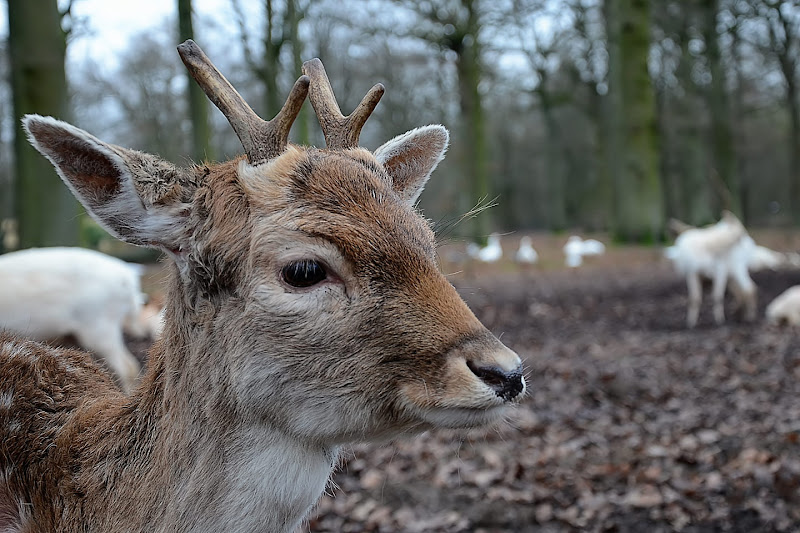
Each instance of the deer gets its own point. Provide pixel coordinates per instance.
(55, 292)
(785, 307)
(724, 253)
(305, 310)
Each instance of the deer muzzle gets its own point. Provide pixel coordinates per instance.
(507, 384)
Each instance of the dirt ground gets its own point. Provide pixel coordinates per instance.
(631, 423)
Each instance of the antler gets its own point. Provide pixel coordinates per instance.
(261, 139)
(340, 131)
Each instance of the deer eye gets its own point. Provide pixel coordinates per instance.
(304, 273)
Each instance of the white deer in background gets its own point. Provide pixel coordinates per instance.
(722, 252)
(305, 310)
(47, 293)
(785, 307)
(491, 253)
(576, 249)
(526, 252)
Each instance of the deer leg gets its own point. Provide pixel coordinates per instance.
(718, 295)
(746, 292)
(106, 341)
(695, 298)
(739, 296)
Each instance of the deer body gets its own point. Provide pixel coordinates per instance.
(785, 307)
(723, 253)
(48, 293)
(305, 310)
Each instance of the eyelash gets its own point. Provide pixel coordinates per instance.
(304, 273)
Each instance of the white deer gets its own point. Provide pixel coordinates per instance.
(47, 293)
(723, 253)
(785, 307)
(305, 310)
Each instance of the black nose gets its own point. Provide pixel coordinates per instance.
(507, 385)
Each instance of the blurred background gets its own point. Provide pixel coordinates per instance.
(597, 115)
(600, 118)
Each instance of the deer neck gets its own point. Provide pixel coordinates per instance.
(274, 481)
(245, 479)
(216, 468)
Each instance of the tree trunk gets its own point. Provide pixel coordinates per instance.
(723, 156)
(611, 120)
(783, 39)
(788, 63)
(556, 175)
(198, 103)
(690, 165)
(639, 214)
(46, 211)
(6, 182)
(271, 66)
(596, 202)
(474, 123)
(301, 125)
(794, 148)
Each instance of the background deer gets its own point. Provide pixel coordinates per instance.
(722, 252)
(49, 293)
(305, 310)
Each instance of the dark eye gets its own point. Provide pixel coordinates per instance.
(303, 273)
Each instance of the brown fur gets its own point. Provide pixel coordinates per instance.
(36, 438)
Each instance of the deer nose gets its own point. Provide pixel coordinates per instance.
(506, 384)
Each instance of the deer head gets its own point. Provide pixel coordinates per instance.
(306, 296)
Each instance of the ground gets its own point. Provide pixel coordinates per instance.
(631, 423)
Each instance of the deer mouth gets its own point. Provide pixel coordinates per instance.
(479, 405)
(464, 417)
(480, 381)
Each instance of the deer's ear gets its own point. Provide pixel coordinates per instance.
(410, 158)
(135, 196)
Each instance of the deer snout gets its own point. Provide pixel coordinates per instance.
(480, 379)
(497, 367)
(508, 385)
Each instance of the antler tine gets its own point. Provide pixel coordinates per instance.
(340, 131)
(262, 140)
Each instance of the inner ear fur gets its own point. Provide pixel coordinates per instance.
(132, 194)
(410, 158)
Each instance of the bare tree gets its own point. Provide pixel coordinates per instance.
(281, 21)
(637, 208)
(47, 213)
(6, 149)
(540, 51)
(723, 169)
(142, 94)
(783, 24)
(454, 28)
(198, 104)
(682, 80)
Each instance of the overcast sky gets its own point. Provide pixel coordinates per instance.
(111, 23)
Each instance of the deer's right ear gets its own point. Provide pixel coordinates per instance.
(104, 178)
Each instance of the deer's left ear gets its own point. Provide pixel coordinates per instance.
(410, 158)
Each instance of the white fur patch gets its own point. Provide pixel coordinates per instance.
(6, 399)
(257, 501)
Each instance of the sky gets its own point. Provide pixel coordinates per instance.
(112, 23)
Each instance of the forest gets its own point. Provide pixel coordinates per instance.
(597, 115)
